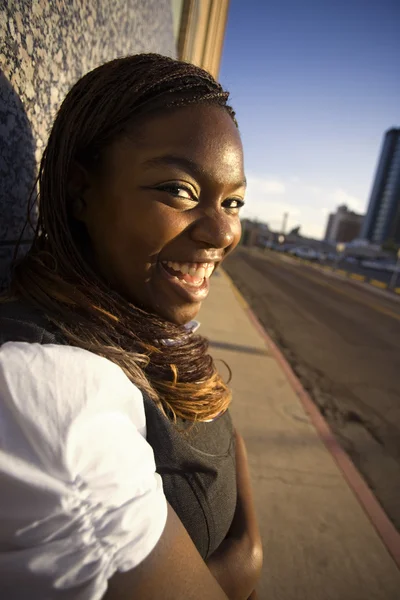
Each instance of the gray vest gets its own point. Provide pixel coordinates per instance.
(197, 467)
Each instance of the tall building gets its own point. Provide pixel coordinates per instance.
(254, 233)
(329, 226)
(382, 221)
(343, 226)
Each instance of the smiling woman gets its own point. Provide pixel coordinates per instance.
(116, 432)
(169, 190)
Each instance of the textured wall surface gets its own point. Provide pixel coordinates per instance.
(44, 48)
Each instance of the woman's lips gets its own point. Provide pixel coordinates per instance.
(189, 280)
(191, 272)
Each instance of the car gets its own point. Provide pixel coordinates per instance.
(304, 252)
(392, 267)
(351, 259)
(378, 265)
(327, 256)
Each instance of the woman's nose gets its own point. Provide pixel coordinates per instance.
(214, 229)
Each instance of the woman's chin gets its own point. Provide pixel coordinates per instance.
(180, 315)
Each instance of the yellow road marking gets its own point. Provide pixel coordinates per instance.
(341, 272)
(357, 277)
(378, 284)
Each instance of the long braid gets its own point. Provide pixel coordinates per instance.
(54, 275)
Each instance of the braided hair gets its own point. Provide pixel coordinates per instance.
(54, 276)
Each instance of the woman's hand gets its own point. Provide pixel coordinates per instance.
(237, 563)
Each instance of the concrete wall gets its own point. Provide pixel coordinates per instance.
(44, 48)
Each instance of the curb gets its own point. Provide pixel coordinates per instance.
(377, 516)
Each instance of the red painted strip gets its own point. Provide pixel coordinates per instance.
(385, 528)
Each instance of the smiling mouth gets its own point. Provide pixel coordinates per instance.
(190, 280)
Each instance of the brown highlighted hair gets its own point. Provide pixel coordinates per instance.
(166, 362)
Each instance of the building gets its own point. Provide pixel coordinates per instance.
(382, 221)
(343, 226)
(254, 233)
(329, 226)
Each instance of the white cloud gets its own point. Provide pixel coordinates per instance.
(307, 205)
(270, 186)
(314, 189)
(273, 187)
(340, 196)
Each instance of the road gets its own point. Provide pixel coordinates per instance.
(343, 342)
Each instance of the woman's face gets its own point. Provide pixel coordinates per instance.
(164, 211)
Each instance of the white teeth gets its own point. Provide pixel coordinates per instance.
(184, 269)
(197, 284)
(201, 272)
(209, 270)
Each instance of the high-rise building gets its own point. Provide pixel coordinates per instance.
(329, 225)
(382, 221)
(343, 226)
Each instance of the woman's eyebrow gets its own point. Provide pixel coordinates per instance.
(184, 163)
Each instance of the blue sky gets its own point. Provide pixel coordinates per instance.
(314, 85)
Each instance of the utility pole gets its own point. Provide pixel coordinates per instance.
(284, 222)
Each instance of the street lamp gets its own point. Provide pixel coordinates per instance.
(340, 248)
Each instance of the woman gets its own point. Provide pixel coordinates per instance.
(117, 453)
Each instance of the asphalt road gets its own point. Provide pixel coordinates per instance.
(343, 342)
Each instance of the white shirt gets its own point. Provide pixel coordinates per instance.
(79, 494)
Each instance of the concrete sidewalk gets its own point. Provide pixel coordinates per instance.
(318, 542)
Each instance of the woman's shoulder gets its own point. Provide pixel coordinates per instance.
(21, 321)
(73, 449)
(50, 387)
(42, 375)
(62, 361)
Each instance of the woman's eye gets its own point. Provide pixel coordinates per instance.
(179, 191)
(233, 204)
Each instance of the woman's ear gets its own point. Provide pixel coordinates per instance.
(78, 186)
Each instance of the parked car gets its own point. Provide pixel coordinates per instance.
(304, 252)
(327, 256)
(352, 260)
(282, 248)
(322, 256)
(379, 265)
(391, 267)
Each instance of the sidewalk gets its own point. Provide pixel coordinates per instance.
(319, 544)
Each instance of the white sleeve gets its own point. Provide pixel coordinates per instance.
(79, 494)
